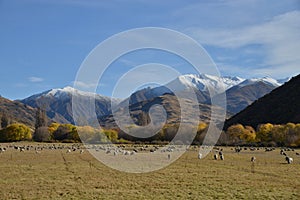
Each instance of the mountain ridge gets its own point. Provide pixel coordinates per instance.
(280, 106)
(240, 93)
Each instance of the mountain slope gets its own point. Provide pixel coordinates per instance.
(184, 84)
(280, 106)
(242, 95)
(171, 106)
(58, 103)
(240, 92)
(17, 112)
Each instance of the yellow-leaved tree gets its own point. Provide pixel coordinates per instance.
(15, 132)
(264, 132)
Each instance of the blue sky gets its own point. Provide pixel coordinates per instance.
(44, 42)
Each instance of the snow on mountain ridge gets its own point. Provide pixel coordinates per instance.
(67, 91)
(266, 80)
(203, 81)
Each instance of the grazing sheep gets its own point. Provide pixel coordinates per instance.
(200, 156)
(81, 151)
(222, 156)
(216, 156)
(252, 149)
(297, 154)
(68, 151)
(281, 152)
(238, 149)
(152, 150)
(253, 159)
(289, 160)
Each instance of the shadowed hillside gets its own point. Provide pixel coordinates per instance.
(280, 106)
(17, 112)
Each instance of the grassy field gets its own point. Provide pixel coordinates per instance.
(55, 174)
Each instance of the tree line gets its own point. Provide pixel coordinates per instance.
(53, 132)
(264, 135)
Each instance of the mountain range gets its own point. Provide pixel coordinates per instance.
(58, 103)
(240, 93)
(280, 106)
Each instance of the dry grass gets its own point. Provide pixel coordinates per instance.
(53, 174)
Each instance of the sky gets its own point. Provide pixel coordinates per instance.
(44, 42)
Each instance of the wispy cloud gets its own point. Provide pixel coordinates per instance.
(84, 85)
(35, 79)
(279, 37)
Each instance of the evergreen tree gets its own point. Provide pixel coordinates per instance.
(41, 118)
(41, 132)
(4, 120)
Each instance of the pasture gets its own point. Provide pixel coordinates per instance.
(58, 174)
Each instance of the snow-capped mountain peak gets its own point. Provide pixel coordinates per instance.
(59, 92)
(266, 80)
(204, 81)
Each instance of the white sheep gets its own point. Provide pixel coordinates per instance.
(216, 156)
(289, 160)
(200, 156)
(222, 157)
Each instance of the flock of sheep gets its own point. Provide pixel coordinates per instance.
(218, 153)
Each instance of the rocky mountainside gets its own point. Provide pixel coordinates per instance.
(17, 112)
(280, 106)
(245, 93)
(139, 111)
(58, 103)
(240, 92)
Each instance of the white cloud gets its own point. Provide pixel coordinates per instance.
(83, 85)
(279, 38)
(35, 79)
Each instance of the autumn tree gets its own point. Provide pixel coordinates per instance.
(112, 135)
(278, 135)
(234, 132)
(249, 134)
(201, 132)
(53, 127)
(15, 132)
(66, 133)
(264, 132)
(240, 134)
